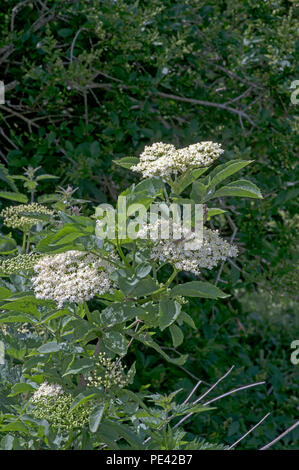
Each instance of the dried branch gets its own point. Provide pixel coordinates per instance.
(223, 106)
(291, 428)
(248, 432)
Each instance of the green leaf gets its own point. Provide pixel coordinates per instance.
(187, 319)
(16, 427)
(148, 341)
(131, 373)
(26, 304)
(176, 335)
(50, 347)
(79, 365)
(107, 434)
(45, 198)
(20, 388)
(17, 197)
(199, 289)
(5, 293)
(96, 417)
(127, 162)
(71, 237)
(227, 169)
(7, 318)
(116, 296)
(242, 188)
(143, 269)
(188, 178)
(125, 432)
(144, 287)
(168, 312)
(198, 172)
(151, 186)
(7, 442)
(46, 177)
(80, 399)
(150, 314)
(212, 211)
(115, 341)
(119, 313)
(4, 176)
(7, 245)
(198, 192)
(66, 234)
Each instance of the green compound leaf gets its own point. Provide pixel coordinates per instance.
(119, 313)
(176, 335)
(168, 312)
(17, 197)
(96, 417)
(199, 289)
(242, 188)
(126, 162)
(115, 341)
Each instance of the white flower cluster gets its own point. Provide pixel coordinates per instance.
(163, 160)
(73, 276)
(47, 390)
(198, 155)
(205, 253)
(166, 229)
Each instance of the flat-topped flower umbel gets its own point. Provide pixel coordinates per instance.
(164, 160)
(73, 276)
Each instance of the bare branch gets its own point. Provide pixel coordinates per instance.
(233, 391)
(280, 436)
(15, 11)
(74, 42)
(223, 106)
(202, 396)
(248, 432)
(28, 121)
(191, 393)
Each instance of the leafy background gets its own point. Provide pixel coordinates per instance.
(88, 82)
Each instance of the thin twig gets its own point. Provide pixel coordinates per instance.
(202, 396)
(223, 106)
(14, 12)
(74, 42)
(28, 121)
(281, 436)
(192, 392)
(248, 432)
(244, 387)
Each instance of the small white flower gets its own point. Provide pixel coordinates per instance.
(47, 390)
(209, 253)
(73, 276)
(163, 160)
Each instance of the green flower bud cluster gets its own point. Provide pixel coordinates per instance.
(18, 263)
(13, 218)
(107, 373)
(181, 300)
(56, 410)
